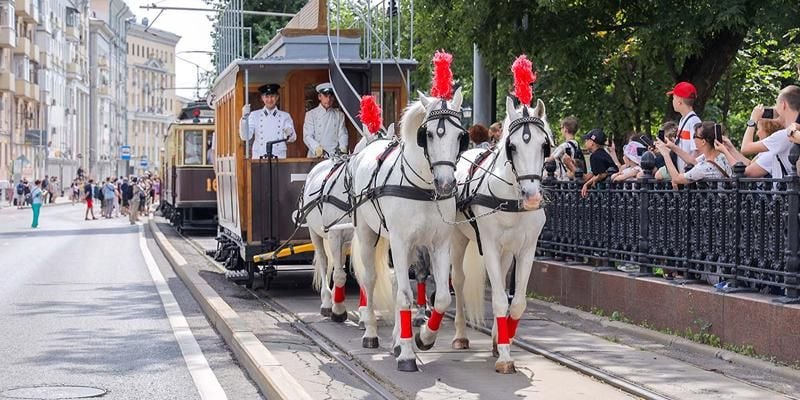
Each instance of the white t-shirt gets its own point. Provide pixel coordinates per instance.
(686, 136)
(778, 147)
(706, 170)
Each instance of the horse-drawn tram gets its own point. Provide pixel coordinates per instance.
(262, 160)
(189, 199)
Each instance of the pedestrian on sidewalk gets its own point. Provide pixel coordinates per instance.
(109, 198)
(36, 202)
(133, 212)
(88, 192)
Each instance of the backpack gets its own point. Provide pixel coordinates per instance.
(98, 194)
(573, 149)
(20, 188)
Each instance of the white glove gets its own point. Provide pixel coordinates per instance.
(318, 151)
(246, 111)
(287, 132)
(342, 150)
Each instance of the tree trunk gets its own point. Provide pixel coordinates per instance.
(706, 67)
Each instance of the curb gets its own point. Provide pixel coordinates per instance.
(274, 381)
(676, 341)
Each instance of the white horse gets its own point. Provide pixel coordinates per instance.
(397, 205)
(503, 193)
(326, 204)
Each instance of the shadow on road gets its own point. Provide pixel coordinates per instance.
(70, 232)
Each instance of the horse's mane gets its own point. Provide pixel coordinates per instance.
(412, 119)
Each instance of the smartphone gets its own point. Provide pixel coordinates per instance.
(661, 136)
(647, 141)
(769, 113)
(718, 132)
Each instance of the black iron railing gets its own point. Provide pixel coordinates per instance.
(738, 233)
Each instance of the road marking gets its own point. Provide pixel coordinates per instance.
(204, 379)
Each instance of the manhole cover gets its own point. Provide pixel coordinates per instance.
(54, 392)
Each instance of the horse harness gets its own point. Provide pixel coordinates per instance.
(469, 197)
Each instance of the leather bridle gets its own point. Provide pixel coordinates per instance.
(524, 123)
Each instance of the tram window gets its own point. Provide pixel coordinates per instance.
(193, 148)
(210, 148)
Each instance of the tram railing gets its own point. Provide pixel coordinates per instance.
(740, 234)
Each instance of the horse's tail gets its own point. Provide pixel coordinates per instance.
(382, 296)
(322, 273)
(474, 284)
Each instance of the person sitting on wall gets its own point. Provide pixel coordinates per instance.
(323, 129)
(267, 125)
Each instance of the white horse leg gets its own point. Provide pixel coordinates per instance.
(505, 264)
(494, 270)
(320, 273)
(457, 249)
(339, 310)
(440, 261)
(519, 302)
(422, 268)
(362, 307)
(406, 360)
(363, 255)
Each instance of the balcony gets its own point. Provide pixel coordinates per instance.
(34, 55)
(8, 37)
(24, 9)
(23, 46)
(23, 89)
(73, 33)
(73, 71)
(7, 82)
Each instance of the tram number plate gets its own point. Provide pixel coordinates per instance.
(211, 185)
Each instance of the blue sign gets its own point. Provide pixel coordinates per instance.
(125, 152)
(143, 163)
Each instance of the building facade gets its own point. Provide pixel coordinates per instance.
(152, 102)
(107, 132)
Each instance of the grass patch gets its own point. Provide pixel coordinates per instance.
(540, 297)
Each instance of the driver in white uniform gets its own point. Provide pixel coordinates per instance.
(267, 124)
(323, 128)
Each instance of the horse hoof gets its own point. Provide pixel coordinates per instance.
(420, 345)
(325, 311)
(362, 326)
(339, 317)
(460, 344)
(505, 367)
(369, 342)
(418, 321)
(407, 365)
(495, 353)
(396, 351)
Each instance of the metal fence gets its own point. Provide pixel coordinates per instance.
(738, 233)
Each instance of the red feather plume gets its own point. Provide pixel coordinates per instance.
(370, 114)
(523, 79)
(442, 75)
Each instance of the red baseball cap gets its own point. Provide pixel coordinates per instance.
(685, 90)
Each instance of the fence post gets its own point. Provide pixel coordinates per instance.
(648, 163)
(606, 196)
(792, 258)
(738, 174)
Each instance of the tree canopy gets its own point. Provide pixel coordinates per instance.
(611, 62)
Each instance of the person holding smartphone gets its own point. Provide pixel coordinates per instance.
(711, 164)
(773, 151)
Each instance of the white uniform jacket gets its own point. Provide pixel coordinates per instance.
(266, 126)
(324, 128)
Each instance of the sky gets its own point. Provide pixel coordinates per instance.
(194, 29)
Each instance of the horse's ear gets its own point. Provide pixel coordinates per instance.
(510, 110)
(539, 111)
(423, 99)
(458, 98)
(390, 131)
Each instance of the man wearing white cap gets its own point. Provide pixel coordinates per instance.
(267, 125)
(324, 129)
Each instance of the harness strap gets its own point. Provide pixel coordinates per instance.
(500, 204)
(336, 202)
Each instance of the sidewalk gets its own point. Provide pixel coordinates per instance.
(58, 202)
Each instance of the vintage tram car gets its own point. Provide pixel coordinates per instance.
(257, 198)
(189, 198)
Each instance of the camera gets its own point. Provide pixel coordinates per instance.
(769, 113)
(661, 135)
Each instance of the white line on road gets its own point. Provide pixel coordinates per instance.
(204, 379)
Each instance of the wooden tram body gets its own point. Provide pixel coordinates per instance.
(188, 196)
(258, 198)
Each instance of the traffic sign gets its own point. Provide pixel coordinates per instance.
(125, 152)
(143, 163)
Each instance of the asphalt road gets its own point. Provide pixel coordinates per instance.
(79, 306)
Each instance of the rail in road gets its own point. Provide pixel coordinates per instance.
(553, 361)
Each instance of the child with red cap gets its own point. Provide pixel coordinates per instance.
(683, 97)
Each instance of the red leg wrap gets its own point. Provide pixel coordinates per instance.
(435, 321)
(421, 293)
(362, 300)
(405, 324)
(502, 330)
(512, 327)
(338, 294)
